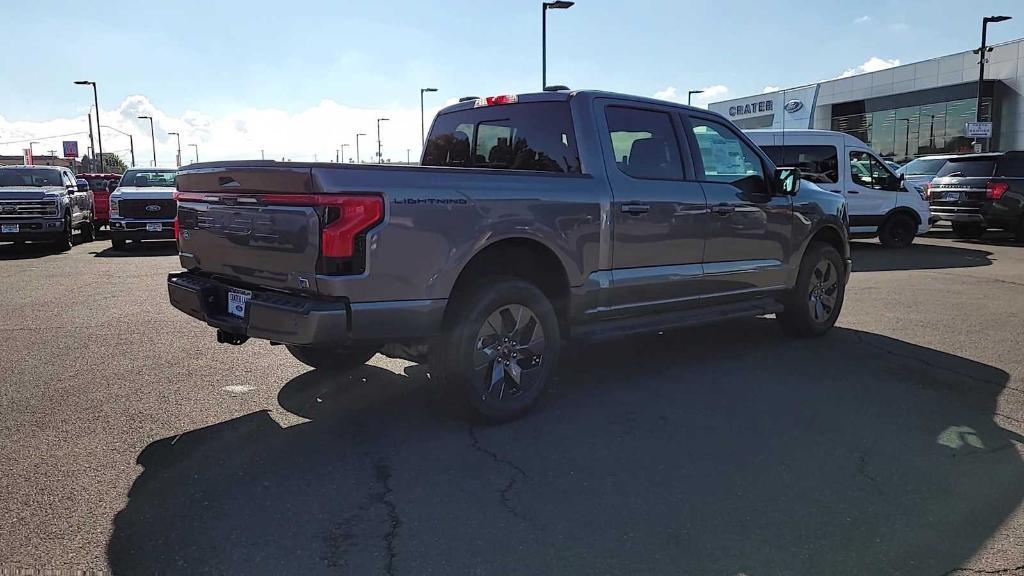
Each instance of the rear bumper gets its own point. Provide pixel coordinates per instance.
(303, 320)
(33, 229)
(124, 229)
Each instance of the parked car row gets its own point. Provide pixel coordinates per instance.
(51, 204)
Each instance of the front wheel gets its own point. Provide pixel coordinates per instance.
(812, 307)
(67, 238)
(332, 359)
(501, 348)
(897, 231)
(88, 232)
(968, 230)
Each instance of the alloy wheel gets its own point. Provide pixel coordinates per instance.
(509, 352)
(823, 291)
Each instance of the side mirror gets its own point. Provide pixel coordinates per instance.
(895, 182)
(787, 181)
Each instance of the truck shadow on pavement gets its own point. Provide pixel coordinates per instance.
(11, 251)
(137, 249)
(872, 257)
(719, 450)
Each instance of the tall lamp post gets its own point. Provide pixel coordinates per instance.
(196, 146)
(131, 141)
(178, 137)
(96, 101)
(358, 161)
(423, 135)
(341, 152)
(983, 53)
(689, 95)
(152, 136)
(545, 6)
(380, 157)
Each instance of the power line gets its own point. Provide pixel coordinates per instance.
(37, 138)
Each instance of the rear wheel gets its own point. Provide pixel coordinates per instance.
(812, 307)
(333, 359)
(88, 232)
(897, 231)
(968, 230)
(501, 349)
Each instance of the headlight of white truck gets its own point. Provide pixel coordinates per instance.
(113, 207)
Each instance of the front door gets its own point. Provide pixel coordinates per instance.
(749, 228)
(871, 191)
(659, 215)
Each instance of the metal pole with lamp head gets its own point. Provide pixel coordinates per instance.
(178, 136)
(152, 136)
(358, 160)
(982, 52)
(689, 95)
(196, 146)
(96, 101)
(380, 157)
(545, 6)
(423, 135)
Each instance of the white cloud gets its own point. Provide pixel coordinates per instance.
(872, 64)
(862, 19)
(710, 94)
(768, 89)
(318, 130)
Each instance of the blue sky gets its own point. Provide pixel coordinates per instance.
(204, 67)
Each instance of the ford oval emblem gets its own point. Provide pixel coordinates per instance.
(153, 208)
(793, 106)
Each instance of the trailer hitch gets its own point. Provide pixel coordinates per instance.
(229, 338)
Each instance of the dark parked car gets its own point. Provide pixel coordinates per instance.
(533, 219)
(977, 192)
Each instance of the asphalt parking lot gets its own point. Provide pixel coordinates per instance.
(132, 442)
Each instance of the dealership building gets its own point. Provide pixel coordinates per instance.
(905, 111)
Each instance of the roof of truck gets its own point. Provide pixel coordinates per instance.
(562, 96)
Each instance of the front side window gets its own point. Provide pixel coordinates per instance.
(727, 158)
(870, 172)
(644, 143)
(818, 164)
(534, 136)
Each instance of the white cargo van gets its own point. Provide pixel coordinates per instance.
(880, 202)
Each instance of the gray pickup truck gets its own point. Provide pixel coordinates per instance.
(44, 204)
(534, 219)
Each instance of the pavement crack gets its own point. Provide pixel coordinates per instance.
(383, 477)
(1012, 570)
(517, 472)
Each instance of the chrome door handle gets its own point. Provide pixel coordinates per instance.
(723, 209)
(635, 209)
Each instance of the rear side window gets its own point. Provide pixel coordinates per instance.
(968, 168)
(644, 143)
(1010, 166)
(531, 136)
(818, 164)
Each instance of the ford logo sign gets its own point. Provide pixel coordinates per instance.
(153, 208)
(793, 106)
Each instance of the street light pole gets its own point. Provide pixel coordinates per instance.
(96, 101)
(131, 141)
(558, 5)
(152, 136)
(178, 136)
(982, 52)
(196, 146)
(423, 135)
(93, 161)
(341, 151)
(689, 95)
(358, 160)
(380, 157)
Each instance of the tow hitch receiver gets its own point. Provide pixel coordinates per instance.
(229, 338)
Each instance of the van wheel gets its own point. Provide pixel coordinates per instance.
(333, 359)
(968, 230)
(501, 349)
(897, 231)
(812, 307)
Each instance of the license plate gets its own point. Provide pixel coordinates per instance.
(154, 227)
(9, 228)
(952, 196)
(237, 301)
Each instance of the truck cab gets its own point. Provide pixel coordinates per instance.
(880, 202)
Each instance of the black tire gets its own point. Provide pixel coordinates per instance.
(67, 239)
(968, 230)
(88, 233)
(499, 349)
(812, 307)
(897, 231)
(118, 244)
(332, 359)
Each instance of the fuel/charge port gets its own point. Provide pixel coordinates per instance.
(229, 338)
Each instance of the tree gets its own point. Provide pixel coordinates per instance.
(113, 163)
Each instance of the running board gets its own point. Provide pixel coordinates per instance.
(618, 327)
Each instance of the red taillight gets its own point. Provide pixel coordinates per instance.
(496, 100)
(995, 190)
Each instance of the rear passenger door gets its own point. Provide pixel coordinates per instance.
(749, 227)
(659, 214)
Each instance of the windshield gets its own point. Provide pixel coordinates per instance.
(30, 177)
(97, 183)
(924, 166)
(982, 167)
(149, 178)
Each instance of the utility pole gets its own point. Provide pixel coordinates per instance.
(380, 157)
(53, 155)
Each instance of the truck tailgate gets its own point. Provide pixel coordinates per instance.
(237, 223)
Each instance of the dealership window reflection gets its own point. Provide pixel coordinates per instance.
(903, 134)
